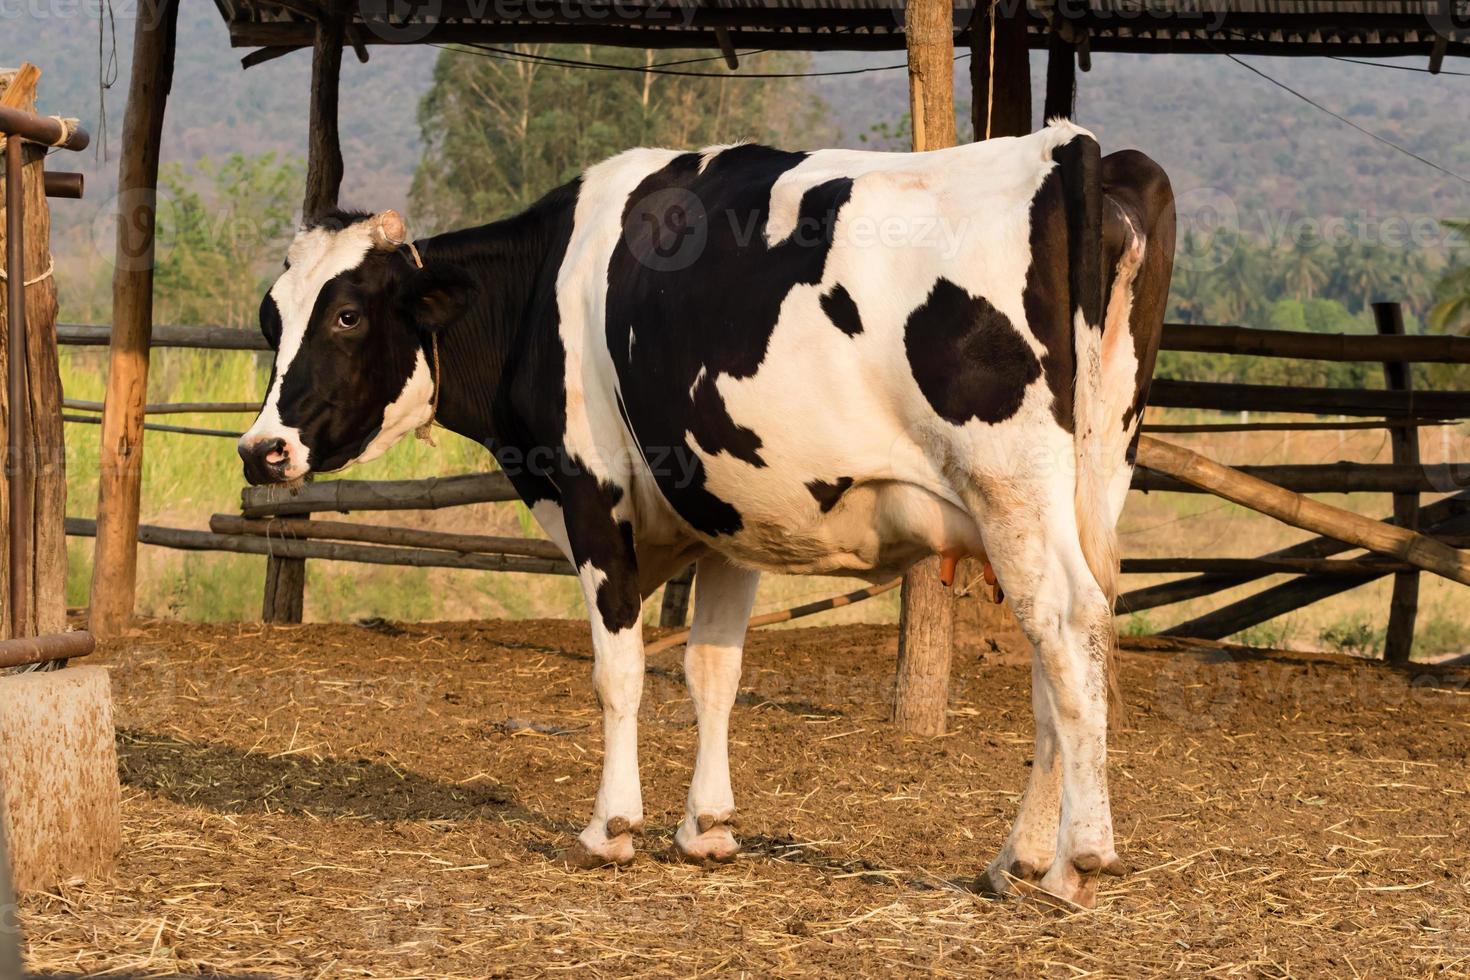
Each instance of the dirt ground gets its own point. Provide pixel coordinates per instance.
(343, 801)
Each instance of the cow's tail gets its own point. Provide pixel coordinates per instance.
(1099, 440)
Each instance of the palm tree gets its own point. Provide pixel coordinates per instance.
(1304, 271)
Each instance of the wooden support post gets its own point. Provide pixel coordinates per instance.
(675, 608)
(926, 619)
(285, 588)
(324, 152)
(115, 559)
(1403, 608)
(40, 478)
(1000, 71)
(1061, 78)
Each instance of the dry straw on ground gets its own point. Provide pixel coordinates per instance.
(333, 801)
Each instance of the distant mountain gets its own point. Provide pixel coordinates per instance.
(1232, 142)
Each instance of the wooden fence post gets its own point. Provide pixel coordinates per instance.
(285, 588)
(115, 559)
(926, 619)
(41, 477)
(1403, 608)
(675, 608)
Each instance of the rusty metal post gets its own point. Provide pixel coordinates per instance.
(19, 517)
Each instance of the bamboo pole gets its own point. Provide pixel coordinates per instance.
(1403, 607)
(115, 558)
(926, 617)
(1304, 512)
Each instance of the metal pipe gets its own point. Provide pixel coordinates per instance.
(20, 524)
(42, 129)
(62, 184)
(11, 964)
(40, 649)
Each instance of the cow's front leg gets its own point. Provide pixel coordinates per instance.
(602, 549)
(723, 595)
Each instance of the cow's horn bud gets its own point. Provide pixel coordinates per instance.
(389, 231)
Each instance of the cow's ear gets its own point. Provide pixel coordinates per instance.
(434, 298)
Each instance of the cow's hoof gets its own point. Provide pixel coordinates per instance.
(1073, 883)
(604, 845)
(707, 840)
(1011, 877)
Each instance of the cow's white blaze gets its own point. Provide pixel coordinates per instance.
(316, 256)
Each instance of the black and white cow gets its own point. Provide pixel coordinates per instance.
(831, 362)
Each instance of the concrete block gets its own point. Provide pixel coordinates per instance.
(58, 775)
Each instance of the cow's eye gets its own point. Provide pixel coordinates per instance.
(347, 319)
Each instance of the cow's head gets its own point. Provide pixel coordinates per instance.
(351, 320)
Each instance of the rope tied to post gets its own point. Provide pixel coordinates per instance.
(50, 268)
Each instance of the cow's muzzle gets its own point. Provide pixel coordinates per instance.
(265, 460)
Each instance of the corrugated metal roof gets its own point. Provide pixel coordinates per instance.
(1366, 28)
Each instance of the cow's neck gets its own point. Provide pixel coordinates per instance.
(509, 261)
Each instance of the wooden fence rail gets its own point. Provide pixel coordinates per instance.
(1193, 337)
(1209, 339)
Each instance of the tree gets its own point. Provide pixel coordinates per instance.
(1452, 313)
(219, 243)
(499, 131)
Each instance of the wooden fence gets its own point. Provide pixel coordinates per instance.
(279, 523)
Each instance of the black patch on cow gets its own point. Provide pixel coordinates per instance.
(842, 311)
(1046, 296)
(599, 539)
(717, 431)
(694, 287)
(1079, 163)
(335, 219)
(967, 357)
(270, 322)
(827, 494)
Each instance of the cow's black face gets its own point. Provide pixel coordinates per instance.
(350, 319)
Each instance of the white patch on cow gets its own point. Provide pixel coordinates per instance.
(315, 256)
(617, 676)
(723, 597)
(412, 408)
(710, 152)
(698, 380)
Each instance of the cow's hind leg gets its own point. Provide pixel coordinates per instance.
(1028, 851)
(723, 595)
(1064, 613)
